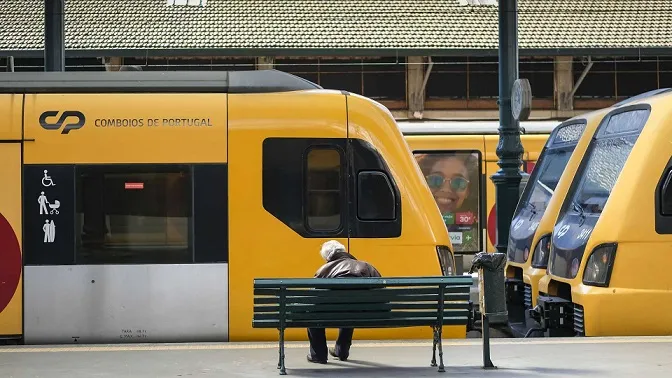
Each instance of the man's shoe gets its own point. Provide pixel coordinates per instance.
(310, 359)
(332, 351)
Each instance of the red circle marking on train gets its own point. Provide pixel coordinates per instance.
(10, 263)
(492, 225)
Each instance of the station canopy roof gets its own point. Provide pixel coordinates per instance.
(335, 27)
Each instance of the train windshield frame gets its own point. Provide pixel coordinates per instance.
(544, 184)
(551, 165)
(606, 157)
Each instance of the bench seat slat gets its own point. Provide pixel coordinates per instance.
(362, 323)
(379, 298)
(362, 307)
(359, 315)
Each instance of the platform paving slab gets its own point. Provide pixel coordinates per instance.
(577, 357)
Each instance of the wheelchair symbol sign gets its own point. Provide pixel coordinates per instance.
(46, 180)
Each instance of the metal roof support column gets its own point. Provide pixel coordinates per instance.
(265, 62)
(564, 82)
(113, 63)
(54, 35)
(509, 149)
(583, 76)
(416, 82)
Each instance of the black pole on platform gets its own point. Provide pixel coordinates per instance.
(509, 150)
(54, 35)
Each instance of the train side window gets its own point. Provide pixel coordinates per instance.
(136, 214)
(453, 178)
(666, 195)
(324, 190)
(375, 196)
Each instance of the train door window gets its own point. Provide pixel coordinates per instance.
(666, 194)
(133, 214)
(453, 178)
(375, 196)
(663, 214)
(324, 190)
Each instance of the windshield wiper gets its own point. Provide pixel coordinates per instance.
(579, 209)
(532, 209)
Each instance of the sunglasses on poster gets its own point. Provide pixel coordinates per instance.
(458, 184)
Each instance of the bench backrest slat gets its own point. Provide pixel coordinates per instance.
(362, 307)
(362, 323)
(349, 315)
(365, 282)
(380, 298)
(336, 292)
(361, 302)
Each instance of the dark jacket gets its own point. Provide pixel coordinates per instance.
(343, 264)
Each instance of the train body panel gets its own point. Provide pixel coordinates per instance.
(413, 252)
(331, 135)
(131, 128)
(126, 303)
(125, 271)
(268, 174)
(11, 277)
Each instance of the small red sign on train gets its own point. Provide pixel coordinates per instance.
(134, 185)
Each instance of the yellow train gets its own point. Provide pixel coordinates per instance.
(532, 224)
(143, 204)
(609, 255)
(535, 215)
(465, 151)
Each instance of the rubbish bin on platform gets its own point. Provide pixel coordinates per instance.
(492, 297)
(491, 289)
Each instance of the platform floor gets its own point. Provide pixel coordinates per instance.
(575, 357)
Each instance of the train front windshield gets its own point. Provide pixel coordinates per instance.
(544, 186)
(606, 158)
(541, 187)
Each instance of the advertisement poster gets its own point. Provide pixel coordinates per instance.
(453, 178)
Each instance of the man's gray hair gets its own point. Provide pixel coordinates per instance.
(331, 247)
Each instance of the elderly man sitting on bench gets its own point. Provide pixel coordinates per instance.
(339, 263)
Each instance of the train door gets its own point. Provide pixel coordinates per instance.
(374, 208)
(11, 295)
(287, 193)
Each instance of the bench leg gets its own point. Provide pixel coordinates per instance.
(281, 361)
(439, 332)
(434, 337)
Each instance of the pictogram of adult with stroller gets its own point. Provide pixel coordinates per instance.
(43, 201)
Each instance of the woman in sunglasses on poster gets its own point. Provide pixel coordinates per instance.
(452, 177)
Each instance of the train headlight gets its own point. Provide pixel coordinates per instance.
(446, 260)
(541, 252)
(599, 265)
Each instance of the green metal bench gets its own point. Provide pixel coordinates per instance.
(363, 303)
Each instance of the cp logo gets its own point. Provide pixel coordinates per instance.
(60, 123)
(563, 230)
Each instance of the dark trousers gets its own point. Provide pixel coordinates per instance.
(318, 343)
